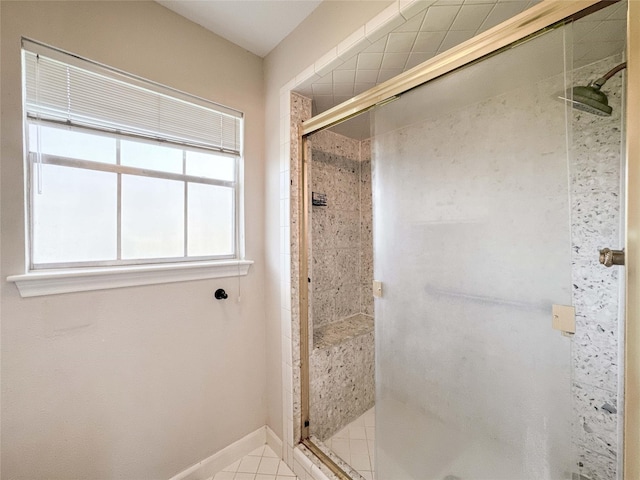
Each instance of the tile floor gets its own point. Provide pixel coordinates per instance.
(261, 464)
(355, 444)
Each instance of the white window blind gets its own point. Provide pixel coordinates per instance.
(63, 88)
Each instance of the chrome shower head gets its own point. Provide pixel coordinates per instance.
(590, 98)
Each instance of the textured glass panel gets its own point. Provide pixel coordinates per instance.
(472, 242)
(209, 165)
(152, 217)
(74, 218)
(73, 144)
(210, 220)
(152, 157)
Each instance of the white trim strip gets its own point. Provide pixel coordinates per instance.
(232, 453)
(274, 442)
(34, 284)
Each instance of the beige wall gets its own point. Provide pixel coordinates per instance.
(134, 382)
(327, 26)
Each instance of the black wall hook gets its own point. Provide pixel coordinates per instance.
(220, 294)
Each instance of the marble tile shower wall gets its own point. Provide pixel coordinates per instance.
(342, 370)
(595, 175)
(341, 247)
(300, 108)
(342, 384)
(366, 230)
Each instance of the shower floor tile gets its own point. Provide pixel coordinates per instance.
(261, 464)
(355, 444)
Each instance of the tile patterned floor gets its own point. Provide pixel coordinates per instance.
(355, 444)
(261, 464)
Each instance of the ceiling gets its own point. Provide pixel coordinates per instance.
(256, 25)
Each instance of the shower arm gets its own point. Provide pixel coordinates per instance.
(602, 80)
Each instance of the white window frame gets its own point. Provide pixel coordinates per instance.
(46, 279)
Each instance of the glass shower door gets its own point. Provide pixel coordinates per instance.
(472, 242)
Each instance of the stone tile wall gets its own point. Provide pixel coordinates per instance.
(366, 230)
(341, 246)
(596, 166)
(342, 379)
(300, 108)
(335, 245)
(341, 266)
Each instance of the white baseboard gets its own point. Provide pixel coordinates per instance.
(230, 454)
(274, 442)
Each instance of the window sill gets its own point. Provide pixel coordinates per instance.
(34, 284)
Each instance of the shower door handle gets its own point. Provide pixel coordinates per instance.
(610, 257)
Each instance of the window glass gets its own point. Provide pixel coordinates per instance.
(151, 157)
(152, 217)
(74, 216)
(73, 144)
(210, 220)
(209, 165)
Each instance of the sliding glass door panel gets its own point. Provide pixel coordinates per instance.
(472, 241)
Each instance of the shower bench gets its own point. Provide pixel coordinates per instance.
(341, 373)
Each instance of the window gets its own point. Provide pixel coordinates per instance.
(122, 171)
(101, 199)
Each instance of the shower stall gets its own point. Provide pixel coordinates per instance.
(491, 206)
(450, 273)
